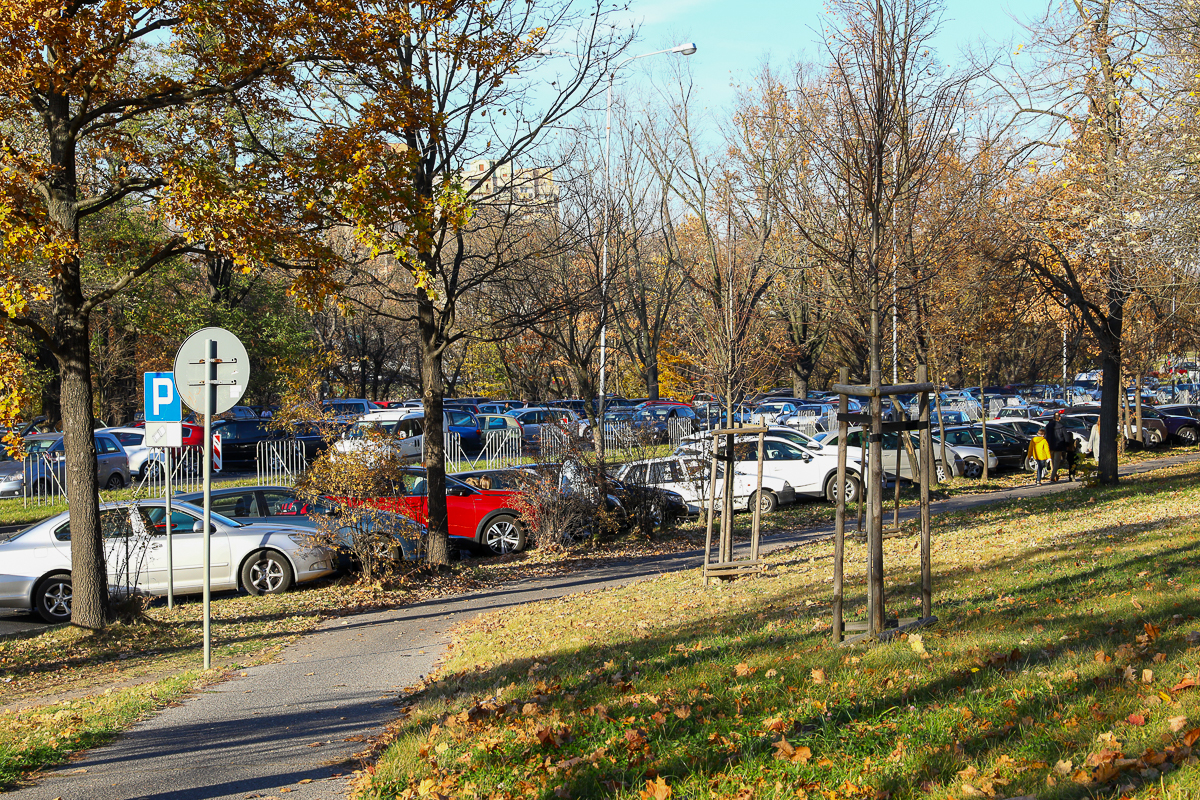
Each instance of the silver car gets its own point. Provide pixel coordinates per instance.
(35, 564)
(46, 463)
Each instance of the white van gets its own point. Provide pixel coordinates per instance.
(403, 429)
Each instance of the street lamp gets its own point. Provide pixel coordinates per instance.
(685, 49)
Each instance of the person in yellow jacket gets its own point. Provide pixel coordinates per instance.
(1039, 450)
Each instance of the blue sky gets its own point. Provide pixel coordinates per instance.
(735, 36)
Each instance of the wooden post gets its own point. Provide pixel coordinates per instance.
(926, 476)
(757, 501)
(862, 462)
(983, 423)
(875, 610)
(727, 502)
(712, 506)
(839, 525)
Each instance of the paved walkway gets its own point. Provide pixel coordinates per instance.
(295, 723)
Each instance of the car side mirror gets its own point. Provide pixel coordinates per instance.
(198, 527)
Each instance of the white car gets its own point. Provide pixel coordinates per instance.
(769, 413)
(400, 430)
(689, 477)
(904, 470)
(260, 558)
(812, 473)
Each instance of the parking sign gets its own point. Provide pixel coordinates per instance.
(162, 400)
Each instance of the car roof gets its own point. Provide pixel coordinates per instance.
(122, 429)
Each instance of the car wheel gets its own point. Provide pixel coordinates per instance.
(767, 501)
(115, 481)
(153, 471)
(1187, 436)
(266, 572)
(1155, 438)
(504, 535)
(939, 471)
(52, 599)
(1031, 465)
(972, 468)
(852, 488)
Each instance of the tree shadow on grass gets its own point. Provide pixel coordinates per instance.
(849, 725)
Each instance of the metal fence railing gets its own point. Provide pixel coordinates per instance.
(498, 449)
(42, 480)
(279, 462)
(679, 427)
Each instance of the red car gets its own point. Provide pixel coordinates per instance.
(481, 516)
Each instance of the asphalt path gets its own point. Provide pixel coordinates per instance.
(296, 723)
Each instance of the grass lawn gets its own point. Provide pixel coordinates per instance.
(1065, 665)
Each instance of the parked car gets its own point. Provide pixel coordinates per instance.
(12, 475)
(689, 477)
(1009, 449)
(281, 505)
(769, 413)
(855, 442)
(141, 458)
(112, 465)
(262, 559)
(534, 419)
(810, 473)
(501, 406)
(240, 439)
(1024, 429)
(346, 410)
(1183, 420)
(478, 516)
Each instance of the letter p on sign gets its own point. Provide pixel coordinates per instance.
(162, 400)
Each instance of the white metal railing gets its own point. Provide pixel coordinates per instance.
(187, 472)
(42, 480)
(279, 462)
(679, 427)
(554, 443)
(498, 449)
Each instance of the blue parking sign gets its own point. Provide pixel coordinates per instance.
(162, 400)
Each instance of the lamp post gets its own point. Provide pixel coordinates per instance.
(686, 49)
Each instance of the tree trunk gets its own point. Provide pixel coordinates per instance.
(432, 348)
(1110, 399)
(89, 584)
(651, 373)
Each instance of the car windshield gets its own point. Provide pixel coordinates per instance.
(40, 445)
(360, 430)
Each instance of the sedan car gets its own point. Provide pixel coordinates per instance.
(855, 442)
(281, 505)
(48, 466)
(689, 477)
(261, 558)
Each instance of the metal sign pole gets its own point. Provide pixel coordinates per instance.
(210, 400)
(170, 553)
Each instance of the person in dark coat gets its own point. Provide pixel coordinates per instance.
(1060, 442)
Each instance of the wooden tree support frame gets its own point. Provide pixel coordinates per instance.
(726, 566)
(877, 627)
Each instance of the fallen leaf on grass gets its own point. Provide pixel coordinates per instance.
(818, 676)
(1136, 719)
(1177, 724)
(656, 789)
(775, 724)
(1064, 767)
(1187, 683)
(743, 669)
(1147, 676)
(785, 752)
(683, 712)
(1191, 736)
(916, 643)
(1193, 637)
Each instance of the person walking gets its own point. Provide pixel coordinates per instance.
(1058, 437)
(1039, 451)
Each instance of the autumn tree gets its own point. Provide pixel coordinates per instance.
(1093, 210)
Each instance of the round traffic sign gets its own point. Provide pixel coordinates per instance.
(191, 369)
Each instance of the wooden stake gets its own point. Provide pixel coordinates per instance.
(926, 477)
(839, 525)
